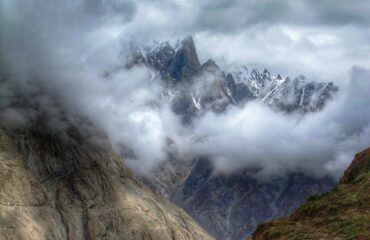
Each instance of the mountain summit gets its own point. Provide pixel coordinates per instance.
(200, 87)
(174, 64)
(185, 61)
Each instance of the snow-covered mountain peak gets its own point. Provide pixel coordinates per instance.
(256, 80)
(194, 87)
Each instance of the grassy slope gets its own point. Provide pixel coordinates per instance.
(343, 213)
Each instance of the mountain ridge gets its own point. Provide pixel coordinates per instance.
(342, 213)
(179, 67)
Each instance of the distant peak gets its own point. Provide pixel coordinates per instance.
(185, 62)
(189, 52)
(210, 64)
(188, 40)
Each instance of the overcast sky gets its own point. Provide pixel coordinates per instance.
(320, 39)
(60, 49)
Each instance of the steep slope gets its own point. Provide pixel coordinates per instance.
(230, 206)
(73, 188)
(165, 179)
(343, 213)
(174, 64)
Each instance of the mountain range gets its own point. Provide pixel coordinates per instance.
(227, 206)
(73, 185)
(199, 87)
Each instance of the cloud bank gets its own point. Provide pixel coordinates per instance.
(275, 143)
(53, 56)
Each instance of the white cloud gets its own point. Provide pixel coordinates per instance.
(274, 143)
(320, 53)
(54, 54)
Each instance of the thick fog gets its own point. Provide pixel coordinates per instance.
(274, 143)
(55, 56)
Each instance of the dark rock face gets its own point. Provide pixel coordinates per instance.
(230, 207)
(185, 61)
(239, 92)
(179, 64)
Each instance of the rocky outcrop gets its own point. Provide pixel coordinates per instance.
(54, 187)
(174, 65)
(342, 213)
(185, 62)
(360, 165)
(238, 92)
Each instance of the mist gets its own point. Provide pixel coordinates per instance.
(54, 58)
(274, 143)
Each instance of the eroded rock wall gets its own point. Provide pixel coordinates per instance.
(54, 188)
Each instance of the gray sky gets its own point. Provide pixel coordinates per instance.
(320, 39)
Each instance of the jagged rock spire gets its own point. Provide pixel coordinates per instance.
(185, 62)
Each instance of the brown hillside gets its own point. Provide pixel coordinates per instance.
(55, 188)
(343, 213)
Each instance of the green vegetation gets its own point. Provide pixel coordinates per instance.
(343, 213)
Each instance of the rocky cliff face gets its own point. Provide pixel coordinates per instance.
(197, 87)
(54, 187)
(342, 213)
(231, 206)
(174, 64)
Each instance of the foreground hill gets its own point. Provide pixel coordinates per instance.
(54, 187)
(343, 213)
